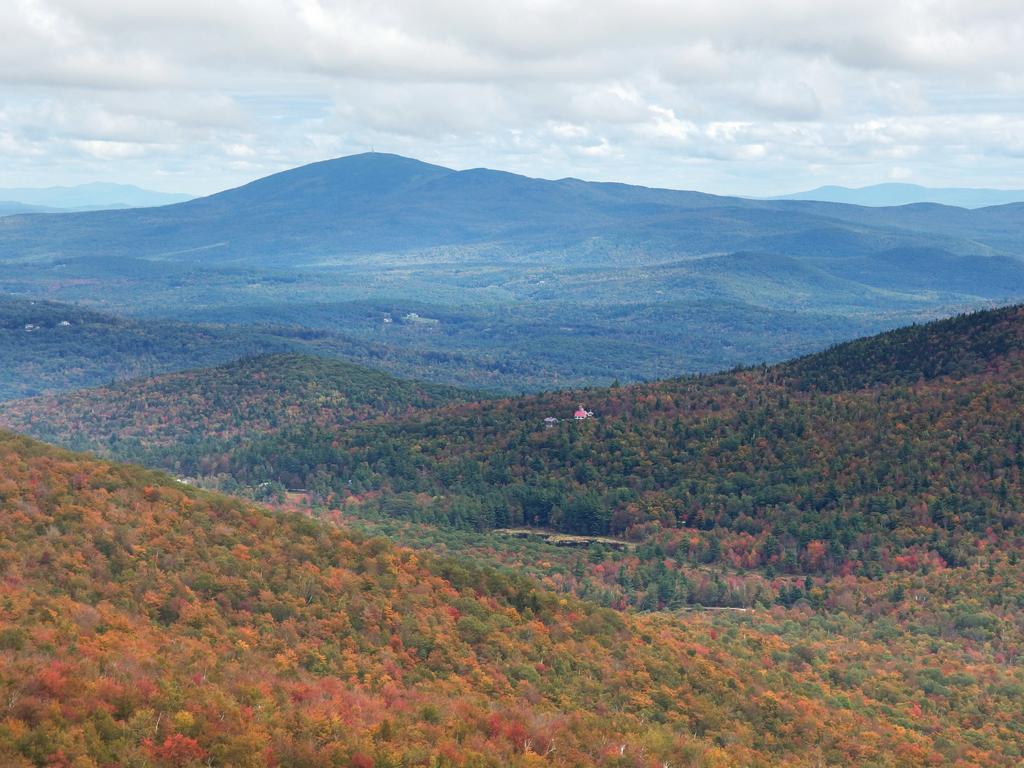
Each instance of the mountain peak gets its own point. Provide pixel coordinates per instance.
(360, 175)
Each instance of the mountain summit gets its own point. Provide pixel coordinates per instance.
(376, 202)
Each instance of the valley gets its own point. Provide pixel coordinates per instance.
(486, 403)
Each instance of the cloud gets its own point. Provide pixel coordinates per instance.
(725, 95)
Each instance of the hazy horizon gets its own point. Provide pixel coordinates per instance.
(778, 193)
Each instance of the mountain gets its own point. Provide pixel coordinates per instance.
(926, 455)
(187, 421)
(90, 197)
(891, 194)
(533, 284)
(379, 202)
(988, 344)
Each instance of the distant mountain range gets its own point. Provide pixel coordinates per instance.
(533, 284)
(83, 197)
(374, 203)
(13, 208)
(889, 194)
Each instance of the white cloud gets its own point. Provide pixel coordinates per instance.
(725, 95)
(111, 150)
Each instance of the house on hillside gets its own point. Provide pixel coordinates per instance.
(582, 414)
(550, 422)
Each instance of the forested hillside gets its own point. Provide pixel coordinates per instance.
(906, 445)
(970, 344)
(186, 421)
(50, 347)
(772, 466)
(147, 623)
(384, 203)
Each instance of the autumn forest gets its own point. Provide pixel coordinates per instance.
(816, 563)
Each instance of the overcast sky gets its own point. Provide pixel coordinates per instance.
(729, 96)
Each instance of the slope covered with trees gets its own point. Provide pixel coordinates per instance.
(905, 445)
(51, 347)
(923, 453)
(147, 623)
(47, 346)
(962, 346)
(187, 421)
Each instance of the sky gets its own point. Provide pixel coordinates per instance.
(726, 96)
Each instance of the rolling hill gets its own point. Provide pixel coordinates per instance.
(906, 443)
(916, 447)
(11, 208)
(99, 347)
(49, 346)
(535, 284)
(187, 421)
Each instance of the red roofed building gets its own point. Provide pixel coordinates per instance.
(581, 414)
